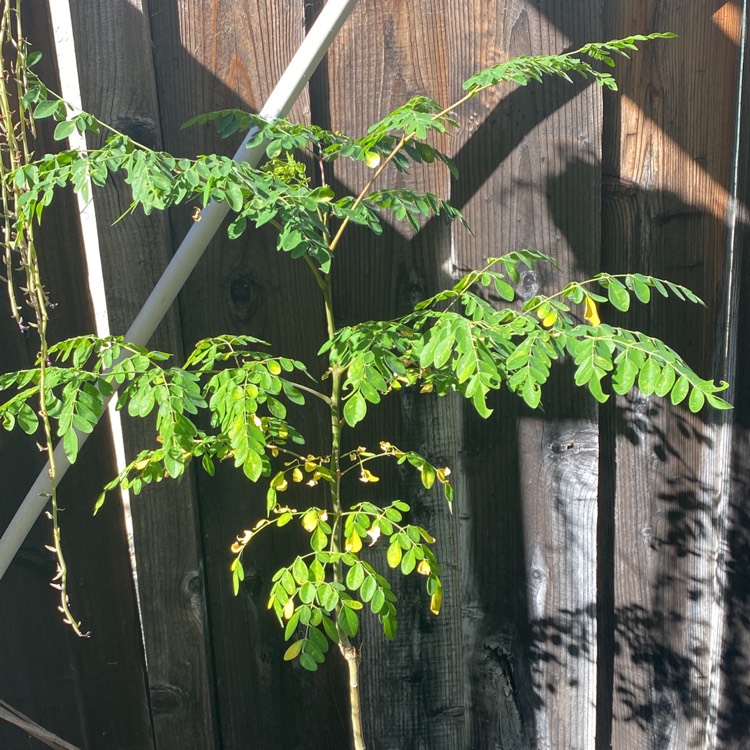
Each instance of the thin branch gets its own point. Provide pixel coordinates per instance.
(312, 392)
(366, 189)
(17, 719)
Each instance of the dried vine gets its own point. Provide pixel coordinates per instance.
(28, 298)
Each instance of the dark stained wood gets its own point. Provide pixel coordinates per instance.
(118, 86)
(211, 55)
(66, 684)
(668, 177)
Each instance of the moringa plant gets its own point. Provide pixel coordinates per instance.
(228, 400)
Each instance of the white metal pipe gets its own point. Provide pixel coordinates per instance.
(287, 90)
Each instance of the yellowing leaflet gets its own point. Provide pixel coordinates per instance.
(591, 314)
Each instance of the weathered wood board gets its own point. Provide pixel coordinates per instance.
(66, 684)
(517, 161)
(531, 524)
(668, 209)
(209, 56)
(118, 85)
(411, 687)
(595, 563)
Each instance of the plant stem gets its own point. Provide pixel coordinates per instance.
(312, 392)
(348, 651)
(366, 189)
(17, 127)
(352, 662)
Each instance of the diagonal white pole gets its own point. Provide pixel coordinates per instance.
(290, 85)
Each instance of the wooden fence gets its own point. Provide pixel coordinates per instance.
(596, 586)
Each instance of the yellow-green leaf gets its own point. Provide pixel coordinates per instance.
(680, 390)
(696, 400)
(618, 295)
(427, 474)
(293, 651)
(436, 601)
(310, 521)
(353, 542)
(355, 409)
(394, 554)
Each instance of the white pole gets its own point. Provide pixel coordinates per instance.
(290, 85)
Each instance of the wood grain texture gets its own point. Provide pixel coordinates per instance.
(413, 688)
(733, 709)
(118, 86)
(66, 684)
(595, 567)
(506, 175)
(672, 144)
(212, 55)
(530, 178)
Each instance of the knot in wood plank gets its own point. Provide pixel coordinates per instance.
(139, 128)
(245, 296)
(167, 699)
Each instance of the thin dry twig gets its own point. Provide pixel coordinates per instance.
(15, 717)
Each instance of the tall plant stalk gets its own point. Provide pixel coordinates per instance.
(20, 249)
(347, 649)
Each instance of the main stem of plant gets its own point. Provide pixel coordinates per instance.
(348, 651)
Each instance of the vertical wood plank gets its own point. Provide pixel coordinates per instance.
(666, 203)
(66, 684)
(118, 85)
(733, 725)
(413, 688)
(733, 715)
(531, 524)
(211, 55)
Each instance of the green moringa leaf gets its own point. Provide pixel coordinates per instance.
(355, 409)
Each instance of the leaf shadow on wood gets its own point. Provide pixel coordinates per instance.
(656, 652)
(734, 708)
(658, 669)
(652, 666)
(684, 501)
(652, 658)
(660, 531)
